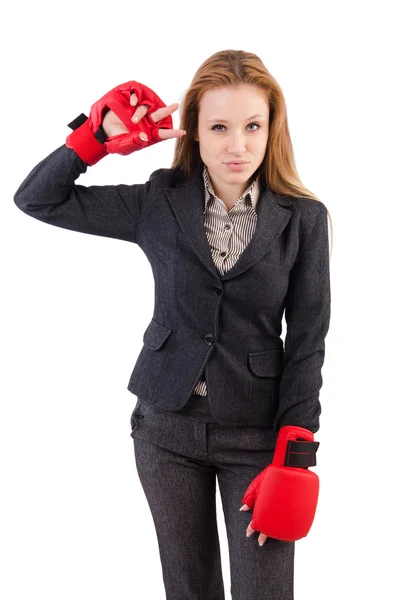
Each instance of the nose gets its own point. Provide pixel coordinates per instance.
(236, 144)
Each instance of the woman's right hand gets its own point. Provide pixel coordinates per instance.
(113, 126)
(114, 113)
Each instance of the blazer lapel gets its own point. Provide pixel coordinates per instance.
(187, 203)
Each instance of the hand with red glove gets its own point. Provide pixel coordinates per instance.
(92, 138)
(284, 495)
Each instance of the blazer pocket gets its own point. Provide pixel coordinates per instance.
(266, 369)
(266, 364)
(146, 374)
(155, 335)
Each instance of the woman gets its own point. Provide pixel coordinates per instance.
(234, 240)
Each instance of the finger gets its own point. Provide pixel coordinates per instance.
(262, 539)
(143, 136)
(166, 134)
(249, 531)
(139, 113)
(133, 99)
(160, 113)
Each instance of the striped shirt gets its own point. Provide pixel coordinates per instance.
(228, 232)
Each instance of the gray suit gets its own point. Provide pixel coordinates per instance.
(227, 326)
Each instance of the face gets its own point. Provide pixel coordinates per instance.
(233, 125)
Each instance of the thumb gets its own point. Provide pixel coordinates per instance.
(244, 507)
(252, 489)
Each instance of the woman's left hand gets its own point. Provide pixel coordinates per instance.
(249, 531)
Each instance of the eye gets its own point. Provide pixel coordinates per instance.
(218, 125)
(213, 128)
(257, 125)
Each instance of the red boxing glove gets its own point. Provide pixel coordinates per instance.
(86, 137)
(284, 495)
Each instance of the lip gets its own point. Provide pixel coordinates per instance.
(236, 166)
(236, 162)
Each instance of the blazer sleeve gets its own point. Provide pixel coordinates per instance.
(49, 193)
(307, 315)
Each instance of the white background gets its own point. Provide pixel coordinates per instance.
(75, 521)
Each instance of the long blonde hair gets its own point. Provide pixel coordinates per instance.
(234, 67)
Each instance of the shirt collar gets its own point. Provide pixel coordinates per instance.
(253, 190)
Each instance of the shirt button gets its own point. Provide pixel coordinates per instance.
(209, 338)
(227, 226)
(223, 253)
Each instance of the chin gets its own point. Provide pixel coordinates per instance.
(241, 174)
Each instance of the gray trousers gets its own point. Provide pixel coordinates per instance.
(179, 457)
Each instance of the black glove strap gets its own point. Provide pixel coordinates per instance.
(78, 121)
(99, 135)
(301, 453)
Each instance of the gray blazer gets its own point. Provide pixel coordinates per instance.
(227, 325)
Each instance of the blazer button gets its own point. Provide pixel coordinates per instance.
(209, 339)
(217, 291)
